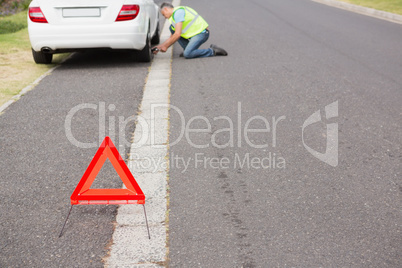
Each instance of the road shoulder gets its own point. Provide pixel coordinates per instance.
(149, 164)
(395, 18)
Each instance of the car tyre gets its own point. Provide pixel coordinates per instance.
(155, 39)
(42, 58)
(146, 54)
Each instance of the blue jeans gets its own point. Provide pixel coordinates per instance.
(191, 46)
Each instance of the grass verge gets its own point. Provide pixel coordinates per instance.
(393, 6)
(17, 67)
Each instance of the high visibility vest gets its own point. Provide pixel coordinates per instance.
(193, 23)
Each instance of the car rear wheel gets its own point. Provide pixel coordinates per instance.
(146, 54)
(42, 58)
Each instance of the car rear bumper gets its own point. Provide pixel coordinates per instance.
(121, 35)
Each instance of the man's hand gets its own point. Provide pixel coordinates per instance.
(172, 39)
(161, 48)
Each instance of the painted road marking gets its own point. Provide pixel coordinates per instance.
(149, 165)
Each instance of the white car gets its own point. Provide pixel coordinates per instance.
(58, 26)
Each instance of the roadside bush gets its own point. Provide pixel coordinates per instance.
(9, 7)
(7, 26)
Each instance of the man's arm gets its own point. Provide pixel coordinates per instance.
(172, 39)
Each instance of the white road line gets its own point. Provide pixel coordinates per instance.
(27, 88)
(31, 86)
(149, 164)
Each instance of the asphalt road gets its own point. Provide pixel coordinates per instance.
(42, 162)
(287, 58)
(40, 167)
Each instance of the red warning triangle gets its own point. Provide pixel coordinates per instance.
(83, 195)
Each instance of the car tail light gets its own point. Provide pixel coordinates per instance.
(36, 15)
(128, 12)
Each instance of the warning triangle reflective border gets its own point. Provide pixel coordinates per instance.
(83, 195)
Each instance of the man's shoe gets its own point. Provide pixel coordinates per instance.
(218, 51)
(181, 54)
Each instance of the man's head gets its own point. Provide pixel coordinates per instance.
(167, 10)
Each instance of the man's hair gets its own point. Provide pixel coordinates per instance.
(165, 4)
